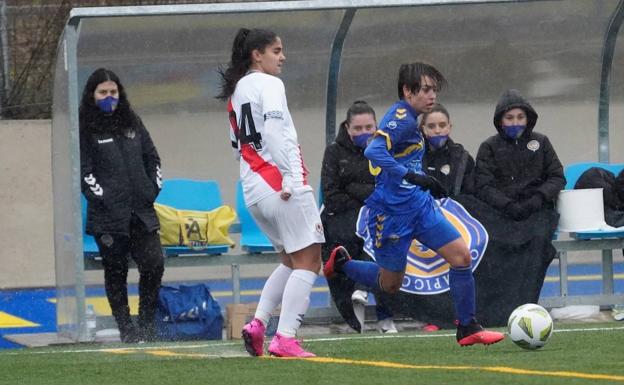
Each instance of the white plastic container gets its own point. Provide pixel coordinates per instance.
(581, 210)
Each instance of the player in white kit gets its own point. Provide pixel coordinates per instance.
(275, 186)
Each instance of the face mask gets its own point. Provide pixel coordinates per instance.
(362, 140)
(437, 141)
(513, 132)
(108, 104)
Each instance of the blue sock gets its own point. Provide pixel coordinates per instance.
(462, 287)
(366, 273)
(382, 311)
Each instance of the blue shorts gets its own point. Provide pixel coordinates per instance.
(393, 234)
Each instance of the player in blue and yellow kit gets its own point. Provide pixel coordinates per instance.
(402, 207)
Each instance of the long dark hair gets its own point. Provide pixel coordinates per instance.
(88, 109)
(245, 42)
(411, 74)
(358, 107)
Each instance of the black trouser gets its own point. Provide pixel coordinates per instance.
(145, 249)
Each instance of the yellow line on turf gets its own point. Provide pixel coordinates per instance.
(496, 369)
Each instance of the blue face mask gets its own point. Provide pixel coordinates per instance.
(513, 132)
(362, 140)
(108, 104)
(437, 141)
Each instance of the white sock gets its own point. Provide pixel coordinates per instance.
(272, 293)
(295, 301)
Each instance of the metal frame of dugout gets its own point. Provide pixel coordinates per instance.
(70, 263)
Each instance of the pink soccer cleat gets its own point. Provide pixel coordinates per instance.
(287, 347)
(474, 333)
(253, 335)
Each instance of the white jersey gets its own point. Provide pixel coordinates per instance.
(263, 133)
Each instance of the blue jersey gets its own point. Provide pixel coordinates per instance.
(397, 147)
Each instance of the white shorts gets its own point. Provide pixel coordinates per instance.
(290, 225)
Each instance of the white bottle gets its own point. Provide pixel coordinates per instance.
(91, 321)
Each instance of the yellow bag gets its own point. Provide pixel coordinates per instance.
(195, 229)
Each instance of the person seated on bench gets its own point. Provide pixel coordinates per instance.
(519, 176)
(120, 173)
(346, 182)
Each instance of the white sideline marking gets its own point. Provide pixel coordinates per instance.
(307, 340)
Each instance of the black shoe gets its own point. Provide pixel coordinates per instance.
(129, 334)
(148, 332)
(338, 257)
(473, 333)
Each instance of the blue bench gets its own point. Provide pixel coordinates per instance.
(89, 246)
(604, 241)
(572, 174)
(183, 194)
(187, 194)
(252, 239)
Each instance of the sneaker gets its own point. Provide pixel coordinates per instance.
(431, 328)
(129, 334)
(386, 326)
(287, 347)
(359, 309)
(618, 312)
(338, 257)
(473, 333)
(253, 335)
(360, 296)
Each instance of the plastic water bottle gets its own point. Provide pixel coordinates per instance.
(91, 322)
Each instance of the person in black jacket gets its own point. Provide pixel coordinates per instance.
(444, 159)
(518, 177)
(518, 171)
(346, 182)
(121, 177)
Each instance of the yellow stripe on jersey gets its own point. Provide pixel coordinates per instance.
(388, 142)
(373, 170)
(409, 150)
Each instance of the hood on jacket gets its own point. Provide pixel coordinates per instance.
(508, 101)
(344, 139)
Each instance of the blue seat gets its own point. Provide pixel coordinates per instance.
(187, 194)
(572, 173)
(89, 246)
(253, 239)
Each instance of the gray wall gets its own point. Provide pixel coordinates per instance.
(193, 147)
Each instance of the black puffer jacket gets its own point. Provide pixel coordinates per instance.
(508, 170)
(120, 170)
(345, 177)
(452, 165)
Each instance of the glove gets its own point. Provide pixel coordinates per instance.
(427, 182)
(534, 203)
(516, 211)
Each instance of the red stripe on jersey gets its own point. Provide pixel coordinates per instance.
(303, 167)
(267, 171)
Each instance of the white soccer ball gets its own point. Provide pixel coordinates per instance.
(530, 326)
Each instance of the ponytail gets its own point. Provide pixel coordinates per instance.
(245, 42)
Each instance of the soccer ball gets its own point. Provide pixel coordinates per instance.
(530, 326)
